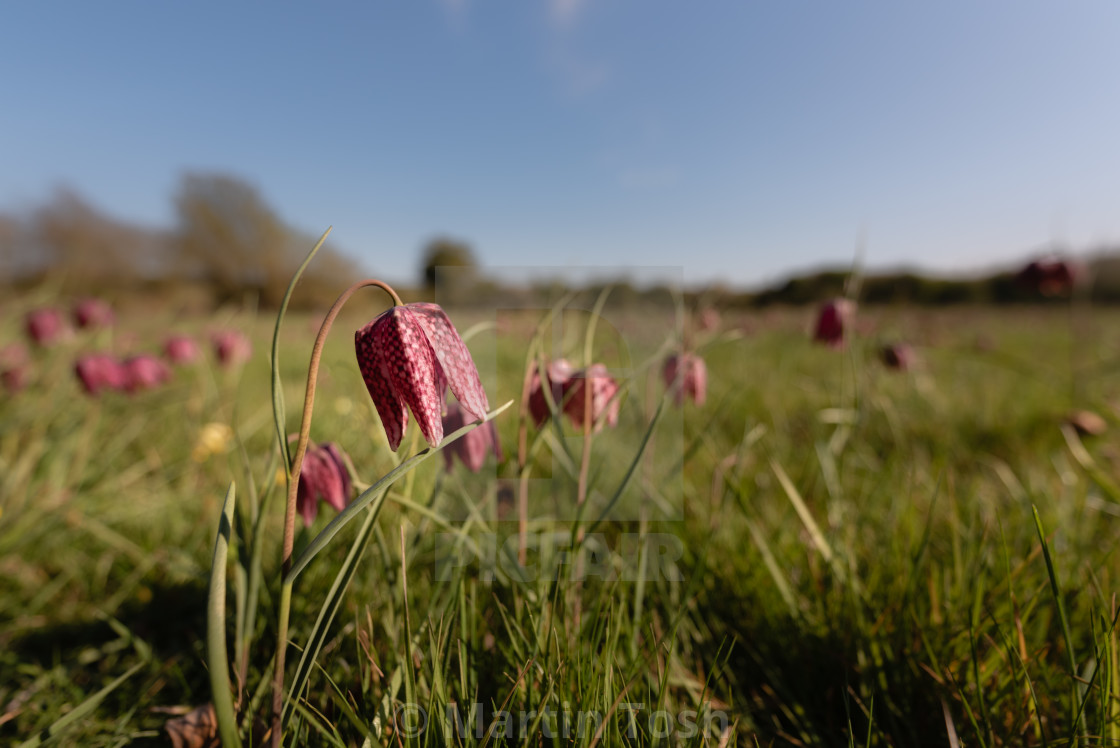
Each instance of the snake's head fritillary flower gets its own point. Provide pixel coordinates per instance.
(180, 350)
(604, 402)
(409, 355)
(323, 477)
(100, 371)
(92, 314)
(146, 372)
(1052, 276)
(472, 448)
(686, 375)
(898, 356)
(232, 347)
(46, 326)
(832, 321)
(557, 374)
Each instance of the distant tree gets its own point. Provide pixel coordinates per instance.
(445, 252)
(90, 248)
(228, 236)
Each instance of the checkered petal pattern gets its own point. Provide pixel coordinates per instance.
(455, 360)
(408, 357)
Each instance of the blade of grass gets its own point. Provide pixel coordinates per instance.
(278, 411)
(217, 659)
(327, 612)
(1056, 591)
(806, 516)
(79, 712)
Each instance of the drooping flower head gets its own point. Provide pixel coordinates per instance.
(832, 321)
(145, 372)
(1051, 276)
(323, 477)
(46, 326)
(100, 371)
(232, 347)
(180, 350)
(569, 388)
(556, 376)
(686, 375)
(409, 355)
(93, 314)
(472, 448)
(604, 403)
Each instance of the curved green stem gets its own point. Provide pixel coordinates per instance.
(293, 490)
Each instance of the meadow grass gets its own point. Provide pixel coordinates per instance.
(825, 553)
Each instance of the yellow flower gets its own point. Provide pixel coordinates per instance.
(212, 439)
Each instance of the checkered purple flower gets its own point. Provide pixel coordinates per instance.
(409, 355)
(323, 477)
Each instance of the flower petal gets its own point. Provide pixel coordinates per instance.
(390, 407)
(454, 357)
(411, 367)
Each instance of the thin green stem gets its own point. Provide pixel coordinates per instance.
(293, 490)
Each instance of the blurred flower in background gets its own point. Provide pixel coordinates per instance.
(556, 376)
(146, 372)
(232, 347)
(100, 371)
(213, 439)
(832, 321)
(93, 314)
(604, 405)
(1051, 276)
(686, 375)
(471, 449)
(181, 350)
(46, 326)
(323, 477)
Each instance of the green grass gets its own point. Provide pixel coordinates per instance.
(826, 553)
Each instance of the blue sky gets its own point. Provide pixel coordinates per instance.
(741, 141)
